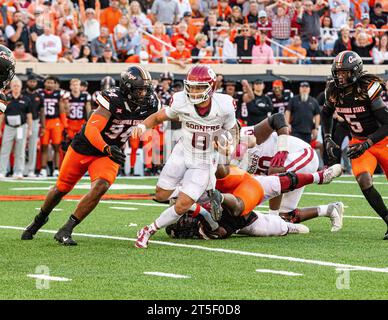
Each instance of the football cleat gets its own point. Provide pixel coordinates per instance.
(32, 229)
(216, 199)
(31, 174)
(43, 173)
(143, 237)
(56, 173)
(328, 175)
(297, 228)
(386, 236)
(64, 237)
(335, 212)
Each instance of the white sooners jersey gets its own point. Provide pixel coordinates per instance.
(259, 157)
(198, 132)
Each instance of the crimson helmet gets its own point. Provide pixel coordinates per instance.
(200, 84)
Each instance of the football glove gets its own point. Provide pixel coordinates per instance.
(330, 146)
(279, 159)
(356, 150)
(115, 153)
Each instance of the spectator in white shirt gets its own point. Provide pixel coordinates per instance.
(380, 52)
(328, 35)
(91, 25)
(48, 45)
(339, 12)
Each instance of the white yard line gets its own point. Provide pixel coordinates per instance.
(84, 186)
(169, 275)
(46, 277)
(284, 273)
(221, 250)
(124, 208)
(362, 217)
(335, 195)
(355, 182)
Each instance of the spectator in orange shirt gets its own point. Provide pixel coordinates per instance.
(181, 56)
(296, 45)
(183, 34)
(224, 10)
(157, 49)
(110, 16)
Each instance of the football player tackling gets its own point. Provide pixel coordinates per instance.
(97, 149)
(193, 161)
(356, 97)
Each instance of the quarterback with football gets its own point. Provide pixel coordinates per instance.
(205, 116)
(97, 149)
(356, 98)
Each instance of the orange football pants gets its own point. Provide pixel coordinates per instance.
(53, 132)
(75, 165)
(242, 185)
(367, 162)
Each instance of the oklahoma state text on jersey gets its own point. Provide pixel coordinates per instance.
(357, 111)
(120, 123)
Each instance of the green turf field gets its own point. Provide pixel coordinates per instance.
(106, 265)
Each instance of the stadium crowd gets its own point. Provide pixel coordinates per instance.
(191, 31)
(27, 149)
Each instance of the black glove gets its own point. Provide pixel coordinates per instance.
(115, 153)
(356, 150)
(330, 146)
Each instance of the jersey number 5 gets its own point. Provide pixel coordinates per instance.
(355, 125)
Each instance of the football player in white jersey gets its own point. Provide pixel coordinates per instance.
(277, 152)
(205, 115)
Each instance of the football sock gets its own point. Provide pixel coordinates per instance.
(376, 202)
(71, 223)
(167, 217)
(274, 212)
(322, 210)
(287, 183)
(42, 215)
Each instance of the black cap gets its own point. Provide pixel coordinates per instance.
(32, 76)
(258, 81)
(304, 84)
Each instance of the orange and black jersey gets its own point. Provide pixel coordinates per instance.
(51, 101)
(280, 104)
(77, 106)
(364, 113)
(119, 126)
(3, 102)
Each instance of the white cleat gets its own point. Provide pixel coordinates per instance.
(56, 173)
(335, 212)
(330, 173)
(43, 173)
(297, 228)
(2, 176)
(17, 176)
(143, 237)
(31, 174)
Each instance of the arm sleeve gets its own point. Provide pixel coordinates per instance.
(382, 132)
(93, 130)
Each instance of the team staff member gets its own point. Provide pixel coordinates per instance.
(97, 149)
(303, 114)
(79, 108)
(260, 105)
(55, 108)
(38, 120)
(18, 126)
(356, 97)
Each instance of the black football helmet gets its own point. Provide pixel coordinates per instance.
(136, 85)
(107, 83)
(7, 66)
(347, 61)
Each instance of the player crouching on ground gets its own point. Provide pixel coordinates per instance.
(97, 148)
(356, 97)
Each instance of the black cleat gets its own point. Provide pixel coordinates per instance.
(215, 202)
(33, 228)
(386, 236)
(64, 237)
